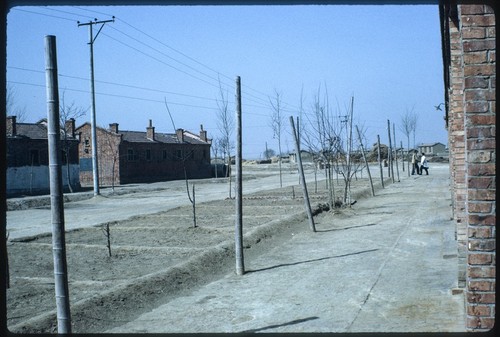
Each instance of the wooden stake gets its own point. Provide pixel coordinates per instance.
(380, 161)
(302, 178)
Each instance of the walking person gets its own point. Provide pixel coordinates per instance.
(424, 165)
(414, 163)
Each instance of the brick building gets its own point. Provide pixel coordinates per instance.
(28, 157)
(143, 156)
(469, 55)
(432, 149)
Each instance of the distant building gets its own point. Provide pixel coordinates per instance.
(306, 156)
(28, 157)
(143, 156)
(433, 149)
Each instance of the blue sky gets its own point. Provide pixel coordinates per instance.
(387, 57)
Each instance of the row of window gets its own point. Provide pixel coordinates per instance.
(175, 155)
(34, 157)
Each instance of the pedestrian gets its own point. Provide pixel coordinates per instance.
(424, 165)
(414, 163)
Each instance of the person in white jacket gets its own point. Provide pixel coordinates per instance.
(424, 165)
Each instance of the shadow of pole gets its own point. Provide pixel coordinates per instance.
(297, 321)
(309, 261)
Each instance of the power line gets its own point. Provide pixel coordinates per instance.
(37, 13)
(248, 96)
(135, 98)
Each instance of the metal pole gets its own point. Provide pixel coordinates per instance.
(56, 189)
(302, 177)
(238, 230)
(95, 164)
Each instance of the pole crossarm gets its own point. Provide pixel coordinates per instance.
(103, 22)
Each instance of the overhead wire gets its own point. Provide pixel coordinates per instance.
(261, 102)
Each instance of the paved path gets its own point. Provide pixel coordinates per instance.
(141, 199)
(387, 265)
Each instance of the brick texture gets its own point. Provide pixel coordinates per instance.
(475, 37)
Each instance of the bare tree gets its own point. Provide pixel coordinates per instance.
(107, 233)
(216, 148)
(12, 107)
(184, 156)
(321, 137)
(268, 153)
(109, 146)
(225, 124)
(407, 126)
(276, 124)
(68, 113)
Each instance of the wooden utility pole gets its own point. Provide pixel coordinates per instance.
(56, 189)
(366, 161)
(302, 177)
(389, 152)
(238, 230)
(95, 164)
(402, 155)
(395, 149)
(380, 161)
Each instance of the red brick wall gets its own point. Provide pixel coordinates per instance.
(472, 110)
(141, 169)
(456, 140)
(479, 59)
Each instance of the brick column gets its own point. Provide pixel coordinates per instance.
(478, 42)
(456, 139)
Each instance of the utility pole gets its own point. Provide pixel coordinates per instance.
(56, 189)
(238, 230)
(95, 166)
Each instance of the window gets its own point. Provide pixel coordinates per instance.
(148, 154)
(130, 155)
(86, 145)
(164, 155)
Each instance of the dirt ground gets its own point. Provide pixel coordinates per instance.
(153, 258)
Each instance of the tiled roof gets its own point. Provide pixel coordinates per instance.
(431, 144)
(168, 138)
(33, 131)
(160, 137)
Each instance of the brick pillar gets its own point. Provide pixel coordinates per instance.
(70, 127)
(203, 134)
(150, 131)
(456, 139)
(11, 126)
(113, 127)
(479, 69)
(180, 135)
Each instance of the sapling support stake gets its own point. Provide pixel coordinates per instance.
(107, 233)
(302, 178)
(380, 161)
(366, 161)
